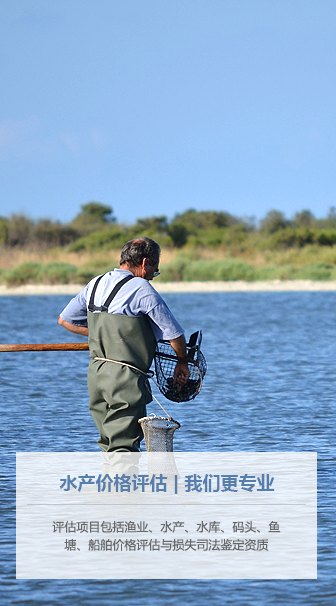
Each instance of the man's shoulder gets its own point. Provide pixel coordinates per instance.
(110, 277)
(138, 285)
(146, 288)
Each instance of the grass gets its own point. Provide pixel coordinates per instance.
(40, 273)
(60, 266)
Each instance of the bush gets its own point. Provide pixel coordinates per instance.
(152, 224)
(3, 231)
(37, 273)
(201, 271)
(112, 238)
(326, 238)
(195, 221)
(49, 233)
(237, 234)
(85, 274)
(57, 273)
(293, 272)
(20, 230)
(317, 272)
(289, 238)
(178, 234)
(209, 237)
(173, 271)
(22, 274)
(299, 237)
(273, 222)
(234, 269)
(228, 269)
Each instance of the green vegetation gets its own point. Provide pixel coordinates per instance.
(235, 269)
(197, 245)
(40, 273)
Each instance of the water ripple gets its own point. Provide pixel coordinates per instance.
(270, 386)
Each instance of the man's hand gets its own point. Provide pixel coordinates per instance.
(79, 330)
(181, 372)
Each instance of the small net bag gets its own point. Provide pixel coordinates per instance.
(165, 363)
(159, 433)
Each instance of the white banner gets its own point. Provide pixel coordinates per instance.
(212, 515)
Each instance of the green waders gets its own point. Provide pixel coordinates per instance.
(118, 394)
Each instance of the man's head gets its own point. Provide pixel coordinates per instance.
(141, 256)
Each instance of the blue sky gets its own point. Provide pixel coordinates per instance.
(154, 107)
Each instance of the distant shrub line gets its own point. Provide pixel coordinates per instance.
(303, 247)
(235, 269)
(95, 227)
(181, 269)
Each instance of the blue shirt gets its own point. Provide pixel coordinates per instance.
(135, 298)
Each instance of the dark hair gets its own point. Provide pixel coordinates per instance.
(134, 251)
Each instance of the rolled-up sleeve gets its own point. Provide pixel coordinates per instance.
(164, 325)
(76, 311)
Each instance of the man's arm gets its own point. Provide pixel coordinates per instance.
(75, 314)
(179, 346)
(79, 330)
(181, 372)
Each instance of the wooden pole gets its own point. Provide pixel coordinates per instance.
(44, 347)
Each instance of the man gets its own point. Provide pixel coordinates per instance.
(124, 317)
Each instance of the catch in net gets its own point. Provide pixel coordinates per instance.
(165, 363)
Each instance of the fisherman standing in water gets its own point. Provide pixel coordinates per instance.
(124, 317)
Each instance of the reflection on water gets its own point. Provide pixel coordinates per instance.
(270, 386)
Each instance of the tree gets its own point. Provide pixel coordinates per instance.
(274, 221)
(153, 224)
(20, 230)
(194, 220)
(94, 216)
(304, 218)
(178, 234)
(3, 231)
(49, 233)
(98, 212)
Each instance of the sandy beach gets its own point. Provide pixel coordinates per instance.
(166, 287)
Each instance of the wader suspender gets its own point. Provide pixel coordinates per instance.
(116, 289)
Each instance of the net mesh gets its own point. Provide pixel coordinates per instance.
(159, 433)
(165, 364)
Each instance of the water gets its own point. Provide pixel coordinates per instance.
(270, 386)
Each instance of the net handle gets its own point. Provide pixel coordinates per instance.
(186, 360)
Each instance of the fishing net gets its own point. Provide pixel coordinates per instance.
(165, 363)
(159, 433)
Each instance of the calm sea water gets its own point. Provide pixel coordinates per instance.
(271, 385)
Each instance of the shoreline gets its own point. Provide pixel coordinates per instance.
(184, 287)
